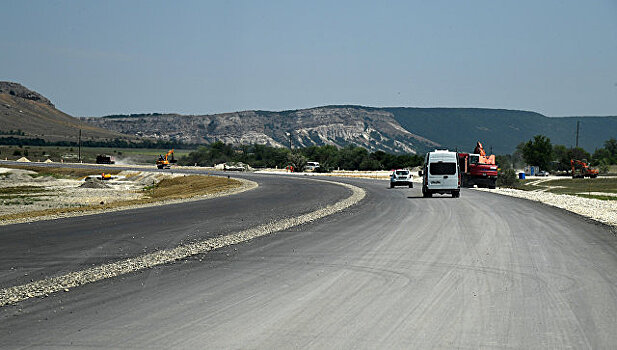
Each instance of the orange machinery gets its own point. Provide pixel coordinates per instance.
(478, 169)
(164, 162)
(581, 169)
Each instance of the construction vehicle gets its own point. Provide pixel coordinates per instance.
(477, 168)
(105, 176)
(164, 162)
(105, 159)
(581, 169)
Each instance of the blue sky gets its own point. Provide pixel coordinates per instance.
(93, 58)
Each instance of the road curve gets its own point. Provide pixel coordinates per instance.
(395, 271)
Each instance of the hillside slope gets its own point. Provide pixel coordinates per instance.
(373, 129)
(36, 117)
(502, 129)
(396, 129)
(27, 114)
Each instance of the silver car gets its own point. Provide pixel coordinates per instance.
(401, 177)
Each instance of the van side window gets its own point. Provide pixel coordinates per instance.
(442, 168)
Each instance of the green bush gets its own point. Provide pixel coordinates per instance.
(507, 178)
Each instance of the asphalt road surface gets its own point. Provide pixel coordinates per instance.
(395, 271)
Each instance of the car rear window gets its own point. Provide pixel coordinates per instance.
(442, 168)
(402, 172)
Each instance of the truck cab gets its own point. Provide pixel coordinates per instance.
(477, 170)
(441, 174)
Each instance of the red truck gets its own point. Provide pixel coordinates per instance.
(477, 168)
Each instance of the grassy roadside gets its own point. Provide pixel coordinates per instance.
(167, 189)
(589, 188)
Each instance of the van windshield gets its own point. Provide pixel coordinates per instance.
(442, 168)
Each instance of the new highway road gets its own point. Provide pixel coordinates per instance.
(394, 271)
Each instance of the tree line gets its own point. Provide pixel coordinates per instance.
(329, 157)
(115, 143)
(540, 152)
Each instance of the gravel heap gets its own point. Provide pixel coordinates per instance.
(94, 184)
(596, 209)
(47, 286)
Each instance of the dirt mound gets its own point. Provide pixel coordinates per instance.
(144, 178)
(94, 184)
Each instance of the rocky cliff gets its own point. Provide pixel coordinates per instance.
(333, 125)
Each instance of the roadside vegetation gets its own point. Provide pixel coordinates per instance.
(599, 188)
(539, 151)
(18, 195)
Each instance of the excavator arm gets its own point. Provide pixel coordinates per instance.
(164, 161)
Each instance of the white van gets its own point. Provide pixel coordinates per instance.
(441, 174)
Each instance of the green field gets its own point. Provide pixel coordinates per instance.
(580, 187)
(88, 154)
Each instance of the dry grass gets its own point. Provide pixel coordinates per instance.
(58, 172)
(21, 190)
(190, 186)
(168, 189)
(589, 188)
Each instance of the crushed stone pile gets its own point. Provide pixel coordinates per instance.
(17, 176)
(94, 184)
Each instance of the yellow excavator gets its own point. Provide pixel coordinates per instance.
(164, 162)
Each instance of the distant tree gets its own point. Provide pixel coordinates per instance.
(507, 178)
(504, 161)
(328, 156)
(561, 157)
(606, 155)
(369, 163)
(297, 160)
(578, 153)
(517, 156)
(611, 147)
(604, 166)
(538, 152)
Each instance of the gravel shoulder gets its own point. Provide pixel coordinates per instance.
(599, 210)
(43, 288)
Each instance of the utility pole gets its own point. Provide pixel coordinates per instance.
(79, 143)
(578, 123)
